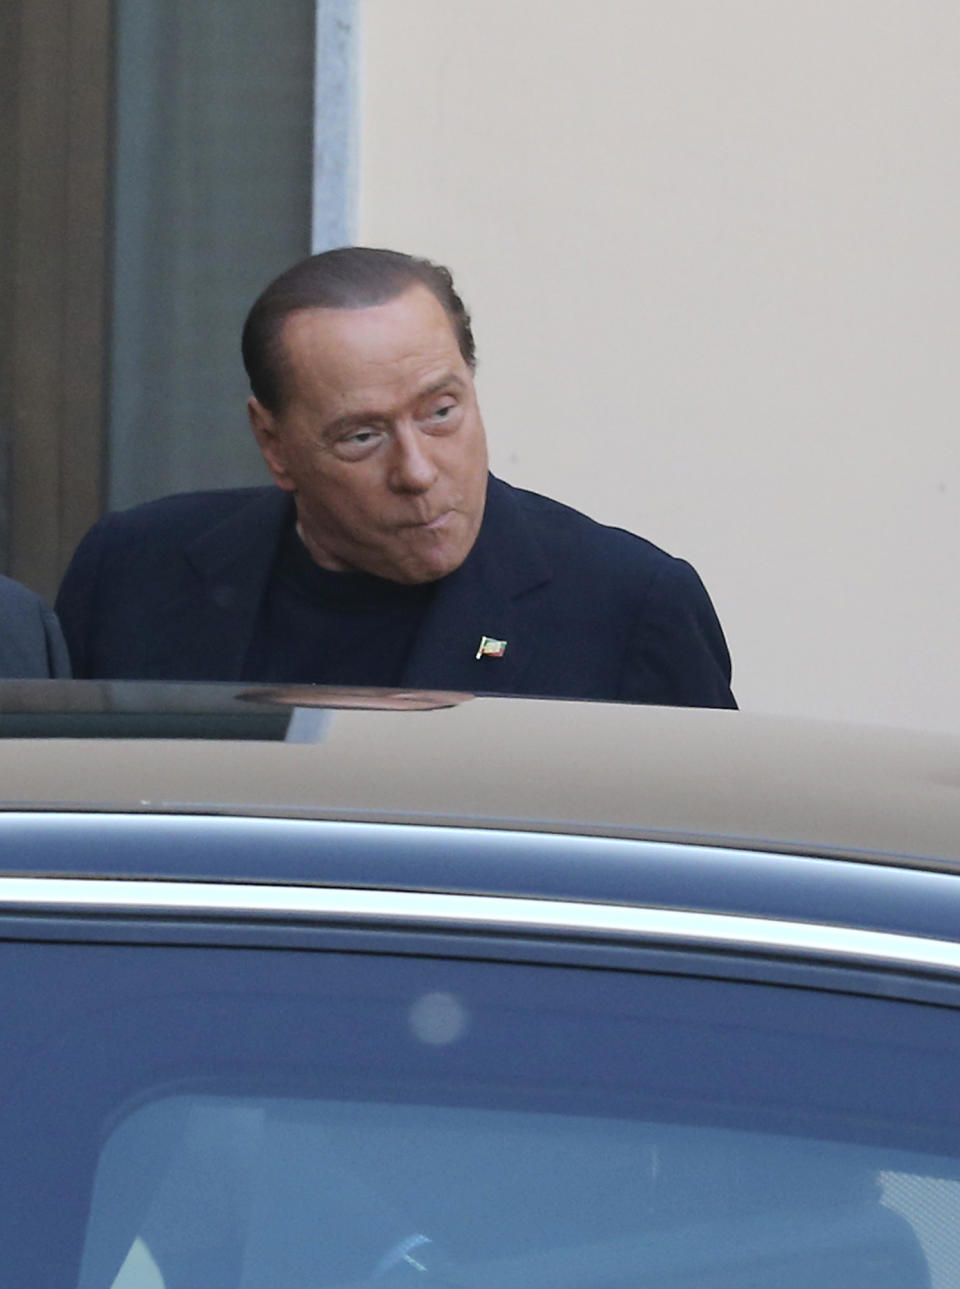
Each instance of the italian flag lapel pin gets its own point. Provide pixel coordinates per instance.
(490, 648)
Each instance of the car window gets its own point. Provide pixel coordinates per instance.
(227, 1117)
(297, 1191)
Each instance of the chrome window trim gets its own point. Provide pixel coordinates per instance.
(504, 914)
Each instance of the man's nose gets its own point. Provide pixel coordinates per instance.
(412, 468)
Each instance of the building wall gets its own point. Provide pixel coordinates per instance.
(711, 251)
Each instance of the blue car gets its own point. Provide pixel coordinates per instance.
(307, 989)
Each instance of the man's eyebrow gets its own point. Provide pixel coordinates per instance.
(444, 382)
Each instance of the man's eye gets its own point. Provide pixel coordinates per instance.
(357, 443)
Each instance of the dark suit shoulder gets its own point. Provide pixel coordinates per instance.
(625, 600)
(141, 581)
(595, 547)
(185, 514)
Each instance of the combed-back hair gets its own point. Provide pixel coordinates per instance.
(351, 277)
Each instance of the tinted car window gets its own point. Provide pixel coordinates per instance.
(232, 1117)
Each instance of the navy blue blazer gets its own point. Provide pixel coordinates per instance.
(172, 589)
(31, 646)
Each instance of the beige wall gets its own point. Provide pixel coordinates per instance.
(711, 251)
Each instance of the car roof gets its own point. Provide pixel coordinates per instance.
(600, 769)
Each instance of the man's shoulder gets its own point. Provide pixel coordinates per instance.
(18, 599)
(153, 545)
(31, 645)
(184, 515)
(141, 580)
(637, 623)
(565, 531)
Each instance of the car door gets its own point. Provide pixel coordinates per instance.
(297, 1086)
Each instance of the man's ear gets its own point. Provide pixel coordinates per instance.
(265, 431)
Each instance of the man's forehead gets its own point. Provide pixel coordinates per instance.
(413, 317)
(340, 353)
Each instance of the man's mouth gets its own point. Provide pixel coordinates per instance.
(440, 521)
(431, 525)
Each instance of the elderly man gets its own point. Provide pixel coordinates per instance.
(386, 554)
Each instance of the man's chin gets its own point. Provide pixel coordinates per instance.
(410, 556)
(420, 572)
(428, 553)
(414, 568)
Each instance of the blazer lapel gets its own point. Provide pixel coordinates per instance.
(235, 558)
(483, 598)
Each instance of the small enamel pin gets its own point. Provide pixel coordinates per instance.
(490, 648)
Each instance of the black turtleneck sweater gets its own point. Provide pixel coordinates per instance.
(319, 627)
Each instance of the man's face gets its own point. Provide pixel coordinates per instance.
(380, 439)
